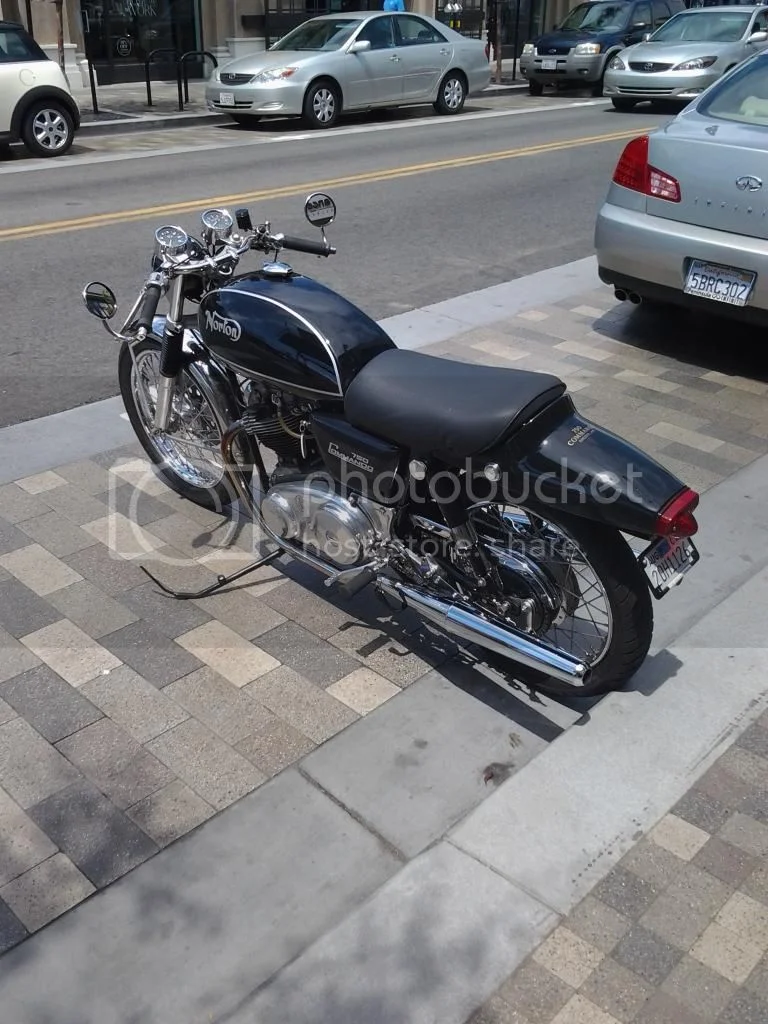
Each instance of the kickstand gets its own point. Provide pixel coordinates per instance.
(221, 581)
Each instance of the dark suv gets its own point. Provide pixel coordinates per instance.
(592, 33)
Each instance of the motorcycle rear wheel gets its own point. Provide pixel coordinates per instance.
(602, 564)
(187, 455)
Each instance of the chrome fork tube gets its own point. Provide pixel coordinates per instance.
(166, 386)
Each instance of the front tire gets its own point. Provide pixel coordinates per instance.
(624, 106)
(535, 88)
(246, 120)
(187, 457)
(322, 104)
(452, 94)
(47, 129)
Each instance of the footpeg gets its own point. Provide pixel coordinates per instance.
(351, 581)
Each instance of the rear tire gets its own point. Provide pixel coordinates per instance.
(624, 105)
(452, 94)
(535, 88)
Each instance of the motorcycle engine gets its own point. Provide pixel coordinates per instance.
(274, 419)
(308, 513)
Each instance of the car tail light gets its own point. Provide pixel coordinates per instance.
(676, 519)
(634, 172)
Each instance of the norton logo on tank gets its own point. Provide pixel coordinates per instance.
(222, 325)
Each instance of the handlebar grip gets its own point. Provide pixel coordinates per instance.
(148, 307)
(308, 246)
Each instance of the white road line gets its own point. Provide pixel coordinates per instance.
(62, 163)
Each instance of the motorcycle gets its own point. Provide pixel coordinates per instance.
(476, 495)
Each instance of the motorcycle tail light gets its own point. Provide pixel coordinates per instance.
(676, 519)
(634, 172)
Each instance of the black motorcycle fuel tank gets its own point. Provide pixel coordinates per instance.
(562, 459)
(292, 331)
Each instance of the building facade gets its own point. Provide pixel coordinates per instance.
(118, 35)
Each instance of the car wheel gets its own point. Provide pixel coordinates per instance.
(322, 105)
(246, 120)
(535, 88)
(452, 93)
(624, 105)
(47, 129)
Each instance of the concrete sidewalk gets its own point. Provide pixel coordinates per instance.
(387, 872)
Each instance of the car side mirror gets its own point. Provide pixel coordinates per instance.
(758, 37)
(646, 36)
(360, 46)
(638, 25)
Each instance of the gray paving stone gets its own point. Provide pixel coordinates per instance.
(98, 838)
(536, 992)
(16, 504)
(652, 863)
(15, 658)
(134, 503)
(12, 931)
(22, 843)
(87, 476)
(171, 812)
(239, 610)
(745, 1008)
(219, 896)
(746, 833)
(647, 955)
(275, 745)
(219, 774)
(497, 1011)
(133, 703)
(315, 614)
(415, 765)
(11, 538)
(756, 885)
(402, 660)
(676, 920)
(170, 617)
(30, 768)
(725, 787)
(22, 611)
(101, 566)
(46, 891)
(698, 888)
(221, 705)
(91, 609)
(57, 534)
(598, 923)
(305, 653)
(726, 862)
(6, 712)
(51, 706)
(698, 988)
(663, 1009)
(755, 740)
(616, 990)
(75, 505)
(301, 704)
(442, 930)
(626, 892)
(755, 805)
(702, 810)
(150, 653)
(121, 768)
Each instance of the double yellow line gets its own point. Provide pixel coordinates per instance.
(100, 220)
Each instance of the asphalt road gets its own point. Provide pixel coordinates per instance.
(428, 208)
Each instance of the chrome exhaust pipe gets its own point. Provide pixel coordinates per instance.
(635, 299)
(620, 294)
(504, 640)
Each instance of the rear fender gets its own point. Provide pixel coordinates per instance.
(562, 459)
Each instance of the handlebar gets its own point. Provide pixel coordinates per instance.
(148, 307)
(305, 245)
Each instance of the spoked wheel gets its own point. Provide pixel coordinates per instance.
(47, 129)
(582, 590)
(188, 454)
(322, 105)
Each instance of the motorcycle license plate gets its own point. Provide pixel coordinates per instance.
(549, 65)
(227, 99)
(666, 561)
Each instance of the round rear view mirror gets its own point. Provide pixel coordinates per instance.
(320, 209)
(100, 300)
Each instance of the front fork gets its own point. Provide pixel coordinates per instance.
(171, 355)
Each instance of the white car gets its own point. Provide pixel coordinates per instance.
(36, 106)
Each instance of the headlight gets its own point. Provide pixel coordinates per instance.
(617, 64)
(586, 48)
(529, 50)
(698, 64)
(274, 74)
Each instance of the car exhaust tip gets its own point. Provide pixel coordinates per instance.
(620, 294)
(635, 299)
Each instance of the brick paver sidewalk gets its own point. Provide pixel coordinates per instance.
(677, 933)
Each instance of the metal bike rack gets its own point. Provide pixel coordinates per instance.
(148, 61)
(182, 72)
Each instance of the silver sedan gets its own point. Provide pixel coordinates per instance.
(353, 61)
(686, 216)
(686, 55)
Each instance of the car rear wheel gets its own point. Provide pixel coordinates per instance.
(47, 129)
(452, 94)
(624, 105)
(322, 105)
(535, 88)
(246, 120)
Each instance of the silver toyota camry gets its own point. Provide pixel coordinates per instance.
(686, 216)
(352, 61)
(686, 55)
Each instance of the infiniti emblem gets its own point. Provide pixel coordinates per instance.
(748, 183)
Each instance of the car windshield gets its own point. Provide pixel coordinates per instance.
(703, 27)
(319, 34)
(16, 45)
(741, 96)
(600, 17)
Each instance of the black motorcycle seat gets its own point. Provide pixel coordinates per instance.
(443, 408)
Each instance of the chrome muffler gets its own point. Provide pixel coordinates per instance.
(504, 640)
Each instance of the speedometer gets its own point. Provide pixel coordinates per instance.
(220, 221)
(171, 240)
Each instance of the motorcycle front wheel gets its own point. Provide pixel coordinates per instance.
(604, 613)
(188, 454)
